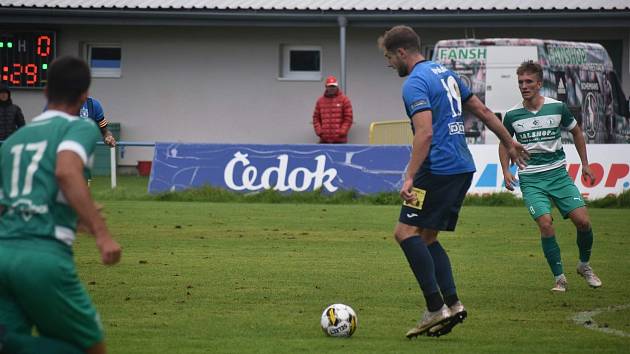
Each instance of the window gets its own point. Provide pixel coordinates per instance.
(427, 51)
(300, 62)
(104, 60)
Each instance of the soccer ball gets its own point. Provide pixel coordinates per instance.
(339, 320)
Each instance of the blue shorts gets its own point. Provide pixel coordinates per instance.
(443, 198)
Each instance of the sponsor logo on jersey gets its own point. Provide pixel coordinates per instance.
(456, 128)
(26, 209)
(538, 134)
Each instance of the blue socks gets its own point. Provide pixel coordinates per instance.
(421, 263)
(443, 273)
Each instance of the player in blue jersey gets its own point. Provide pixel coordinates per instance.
(93, 109)
(439, 172)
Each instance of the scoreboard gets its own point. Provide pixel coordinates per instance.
(25, 57)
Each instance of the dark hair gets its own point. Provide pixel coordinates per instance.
(530, 67)
(400, 37)
(68, 79)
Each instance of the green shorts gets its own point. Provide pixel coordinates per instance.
(39, 287)
(554, 184)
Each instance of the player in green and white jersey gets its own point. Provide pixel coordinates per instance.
(536, 123)
(42, 196)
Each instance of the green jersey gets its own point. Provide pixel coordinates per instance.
(33, 204)
(539, 133)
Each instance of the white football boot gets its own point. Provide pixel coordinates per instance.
(587, 273)
(458, 315)
(561, 284)
(430, 319)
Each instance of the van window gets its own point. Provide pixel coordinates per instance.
(620, 105)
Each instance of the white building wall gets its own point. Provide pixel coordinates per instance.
(220, 84)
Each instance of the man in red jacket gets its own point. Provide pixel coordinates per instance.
(332, 117)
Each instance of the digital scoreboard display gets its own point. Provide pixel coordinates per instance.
(25, 57)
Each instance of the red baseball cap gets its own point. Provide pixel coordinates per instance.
(331, 81)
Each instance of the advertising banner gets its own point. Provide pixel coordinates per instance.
(286, 168)
(367, 169)
(609, 162)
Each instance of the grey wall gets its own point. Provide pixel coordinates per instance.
(220, 85)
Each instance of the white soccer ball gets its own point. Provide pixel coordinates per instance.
(339, 320)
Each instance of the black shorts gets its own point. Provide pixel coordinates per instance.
(443, 198)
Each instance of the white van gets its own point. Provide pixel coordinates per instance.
(579, 74)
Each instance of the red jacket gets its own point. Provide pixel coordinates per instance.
(332, 118)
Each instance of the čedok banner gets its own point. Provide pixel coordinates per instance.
(365, 168)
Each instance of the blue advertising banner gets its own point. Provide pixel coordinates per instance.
(286, 168)
(365, 168)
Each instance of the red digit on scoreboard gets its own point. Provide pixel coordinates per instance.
(14, 77)
(43, 46)
(31, 73)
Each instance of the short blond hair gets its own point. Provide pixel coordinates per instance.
(530, 67)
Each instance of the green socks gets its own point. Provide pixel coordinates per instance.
(585, 244)
(552, 253)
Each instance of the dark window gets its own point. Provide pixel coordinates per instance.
(304, 60)
(105, 57)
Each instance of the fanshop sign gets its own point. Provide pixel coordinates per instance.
(462, 54)
(364, 168)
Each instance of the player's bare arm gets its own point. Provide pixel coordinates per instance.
(108, 137)
(422, 122)
(71, 182)
(580, 146)
(516, 151)
(508, 177)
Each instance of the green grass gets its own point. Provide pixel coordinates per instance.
(135, 188)
(254, 278)
(615, 318)
(620, 201)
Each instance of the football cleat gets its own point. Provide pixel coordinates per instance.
(587, 273)
(458, 315)
(561, 285)
(429, 320)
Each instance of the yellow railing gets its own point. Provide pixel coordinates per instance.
(391, 132)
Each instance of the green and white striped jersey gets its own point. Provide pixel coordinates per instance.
(34, 205)
(539, 132)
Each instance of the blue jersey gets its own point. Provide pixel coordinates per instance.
(92, 109)
(431, 86)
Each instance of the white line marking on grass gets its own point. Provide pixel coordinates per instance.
(586, 320)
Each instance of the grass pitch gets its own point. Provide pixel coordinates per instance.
(254, 278)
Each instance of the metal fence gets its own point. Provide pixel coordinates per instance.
(121, 147)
